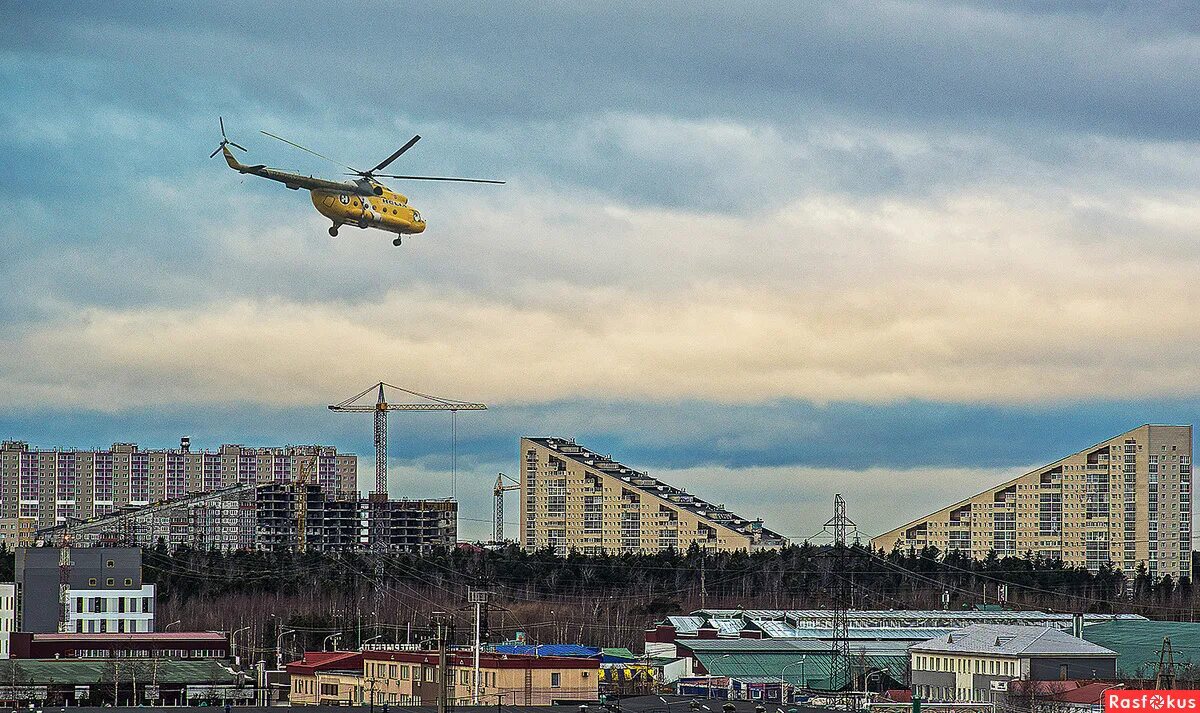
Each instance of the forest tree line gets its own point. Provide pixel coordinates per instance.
(605, 600)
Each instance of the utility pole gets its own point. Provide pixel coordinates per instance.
(439, 621)
(838, 525)
(1164, 678)
(477, 597)
(64, 584)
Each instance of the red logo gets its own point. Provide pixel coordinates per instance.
(1151, 701)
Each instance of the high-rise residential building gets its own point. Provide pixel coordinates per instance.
(575, 499)
(1125, 502)
(105, 592)
(49, 486)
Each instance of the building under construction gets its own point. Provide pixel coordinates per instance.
(269, 517)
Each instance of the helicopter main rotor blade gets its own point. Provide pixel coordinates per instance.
(238, 146)
(384, 163)
(314, 153)
(214, 153)
(438, 178)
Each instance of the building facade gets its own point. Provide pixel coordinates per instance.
(267, 518)
(105, 592)
(1124, 502)
(413, 677)
(575, 499)
(8, 617)
(976, 664)
(45, 487)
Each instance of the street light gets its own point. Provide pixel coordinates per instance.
(335, 636)
(168, 626)
(782, 684)
(237, 660)
(360, 646)
(867, 679)
(708, 681)
(279, 647)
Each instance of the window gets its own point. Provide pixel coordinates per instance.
(110, 564)
(110, 582)
(555, 679)
(128, 582)
(91, 581)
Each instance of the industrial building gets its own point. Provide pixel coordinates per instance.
(674, 635)
(104, 590)
(144, 645)
(1126, 502)
(117, 682)
(576, 499)
(975, 664)
(42, 488)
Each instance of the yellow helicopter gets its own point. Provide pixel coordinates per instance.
(364, 202)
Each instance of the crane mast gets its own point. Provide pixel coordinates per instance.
(498, 505)
(382, 406)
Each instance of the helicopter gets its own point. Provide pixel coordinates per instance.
(364, 201)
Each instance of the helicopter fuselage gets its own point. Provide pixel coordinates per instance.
(363, 203)
(388, 211)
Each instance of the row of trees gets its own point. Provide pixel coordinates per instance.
(600, 600)
(607, 599)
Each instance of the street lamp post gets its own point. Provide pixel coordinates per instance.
(335, 636)
(867, 682)
(783, 684)
(708, 681)
(237, 659)
(279, 647)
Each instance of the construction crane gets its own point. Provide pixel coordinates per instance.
(65, 533)
(299, 485)
(498, 507)
(381, 407)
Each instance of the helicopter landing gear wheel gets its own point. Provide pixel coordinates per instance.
(396, 241)
(333, 230)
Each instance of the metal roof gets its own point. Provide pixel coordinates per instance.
(569, 650)
(1138, 643)
(1007, 640)
(904, 617)
(90, 671)
(815, 672)
(715, 647)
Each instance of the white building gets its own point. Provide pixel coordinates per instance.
(103, 611)
(8, 616)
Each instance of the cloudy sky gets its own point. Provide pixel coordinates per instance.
(769, 251)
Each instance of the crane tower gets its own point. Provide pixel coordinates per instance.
(381, 407)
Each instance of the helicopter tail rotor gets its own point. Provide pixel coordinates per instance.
(224, 140)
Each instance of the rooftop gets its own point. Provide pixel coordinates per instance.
(132, 637)
(1007, 640)
(799, 623)
(1138, 643)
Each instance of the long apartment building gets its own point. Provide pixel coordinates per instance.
(1126, 502)
(575, 499)
(49, 486)
(267, 518)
